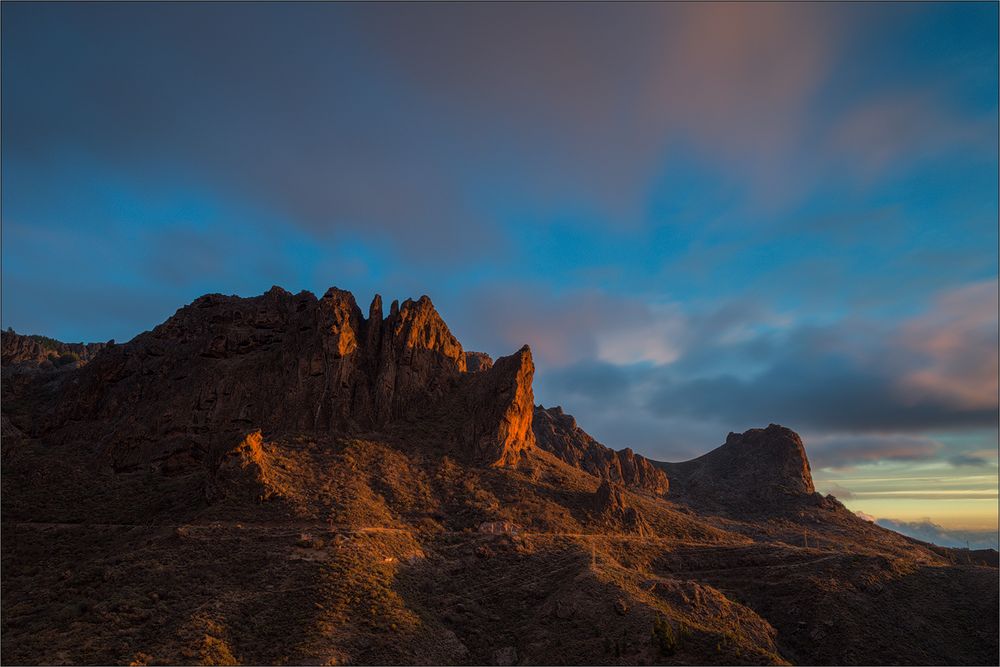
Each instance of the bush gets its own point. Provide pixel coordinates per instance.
(66, 358)
(664, 637)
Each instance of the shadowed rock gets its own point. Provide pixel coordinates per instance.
(610, 504)
(476, 362)
(756, 469)
(16, 348)
(558, 433)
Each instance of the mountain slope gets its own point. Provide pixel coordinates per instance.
(282, 480)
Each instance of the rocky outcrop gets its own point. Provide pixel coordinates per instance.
(290, 363)
(16, 348)
(242, 471)
(610, 504)
(500, 405)
(756, 469)
(558, 433)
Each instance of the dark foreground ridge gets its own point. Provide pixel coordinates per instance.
(284, 479)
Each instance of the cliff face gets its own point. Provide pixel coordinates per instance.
(756, 469)
(558, 433)
(288, 363)
(500, 406)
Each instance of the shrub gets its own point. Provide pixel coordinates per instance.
(664, 637)
(65, 358)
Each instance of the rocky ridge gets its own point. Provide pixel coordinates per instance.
(558, 433)
(226, 365)
(17, 348)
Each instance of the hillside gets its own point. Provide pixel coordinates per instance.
(283, 479)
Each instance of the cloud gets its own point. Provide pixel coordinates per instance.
(935, 534)
(867, 517)
(902, 127)
(957, 342)
(968, 460)
(935, 370)
(655, 340)
(707, 371)
(416, 126)
(842, 451)
(561, 328)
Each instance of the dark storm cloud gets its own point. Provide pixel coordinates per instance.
(825, 393)
(596, 380)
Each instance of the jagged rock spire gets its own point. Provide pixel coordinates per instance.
(292, 363)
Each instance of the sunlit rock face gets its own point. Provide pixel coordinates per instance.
(502, 409)
(291, 363)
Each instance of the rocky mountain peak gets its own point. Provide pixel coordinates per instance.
(290, 363)
(500, 401)
(418, 327)
(754, 469)
(780, 456)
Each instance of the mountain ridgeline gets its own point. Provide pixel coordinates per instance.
(285, 363)
(285, 478)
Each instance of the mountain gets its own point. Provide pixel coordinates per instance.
(283, 479)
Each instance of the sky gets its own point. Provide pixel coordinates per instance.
(702, 218)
